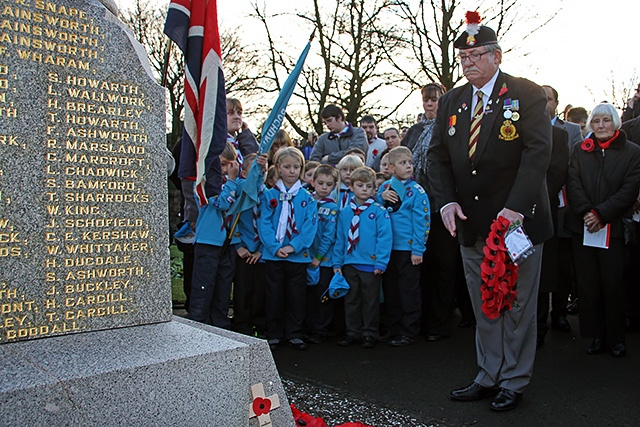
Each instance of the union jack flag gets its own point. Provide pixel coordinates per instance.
(193, 26)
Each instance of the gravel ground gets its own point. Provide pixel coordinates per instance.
(335, 407)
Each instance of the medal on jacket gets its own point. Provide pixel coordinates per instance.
(452, 124)
(516, 106)
(508, 131)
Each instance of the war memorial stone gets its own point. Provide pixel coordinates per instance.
(87, 335)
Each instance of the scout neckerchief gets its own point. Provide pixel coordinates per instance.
(354, 232)
(344, 195)
(287, 220)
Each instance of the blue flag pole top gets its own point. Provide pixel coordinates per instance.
(249, 196)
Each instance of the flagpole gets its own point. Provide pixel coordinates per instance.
(165, 64)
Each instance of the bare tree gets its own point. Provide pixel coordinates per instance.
(351, 70)
(432, 26)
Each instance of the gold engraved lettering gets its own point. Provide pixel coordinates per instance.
(101, 273)
(99, 185)
(107, 172)
(106, 197)
(105, 147)
(96, 312)
(105, 222)
(100, 286)
(53, 60)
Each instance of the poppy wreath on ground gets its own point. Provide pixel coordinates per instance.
(499, 274)
(304, 419)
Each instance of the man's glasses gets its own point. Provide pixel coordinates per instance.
(473, 57)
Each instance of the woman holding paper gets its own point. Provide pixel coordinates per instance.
(602, 186)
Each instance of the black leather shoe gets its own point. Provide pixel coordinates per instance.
(368, 342)
(597, 346)
(315, 339)
(274, 344)
(561, 324)
(436, 337)
(346, 341)
(619, 350)
(506, 400)
(401, 341)
(298, 344)
(473, 392)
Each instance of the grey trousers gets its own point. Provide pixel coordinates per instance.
(506, 346)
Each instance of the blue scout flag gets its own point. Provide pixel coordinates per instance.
(249, 196)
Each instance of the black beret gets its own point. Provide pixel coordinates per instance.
(485, 36)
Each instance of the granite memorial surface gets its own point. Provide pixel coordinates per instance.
(87, 335)
(83, 234)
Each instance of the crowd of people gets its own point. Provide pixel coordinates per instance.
(405, 221)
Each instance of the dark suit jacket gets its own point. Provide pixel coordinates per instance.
(632, 129)
(574, 131)
(509, 174)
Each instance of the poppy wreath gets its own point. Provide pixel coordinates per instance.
(499, 274)
(306, 420)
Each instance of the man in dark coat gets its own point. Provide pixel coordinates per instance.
(486, 166)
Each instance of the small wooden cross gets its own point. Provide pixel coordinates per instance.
(261, 405)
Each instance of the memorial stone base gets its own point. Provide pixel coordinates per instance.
(178, 373)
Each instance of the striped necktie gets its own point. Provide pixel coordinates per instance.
(474, 131)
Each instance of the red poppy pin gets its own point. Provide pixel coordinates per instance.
(504, 89)
(588, 145)
(374, 152)
(261, 406)
(273, 203)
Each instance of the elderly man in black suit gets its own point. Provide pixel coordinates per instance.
(488, 158)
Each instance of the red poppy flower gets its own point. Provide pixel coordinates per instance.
(588, 145)
(261, 406)
(273, 203)
(375, 152)
(503, 90)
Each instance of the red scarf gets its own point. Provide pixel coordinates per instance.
(604, 145)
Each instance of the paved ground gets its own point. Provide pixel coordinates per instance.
(569, 388)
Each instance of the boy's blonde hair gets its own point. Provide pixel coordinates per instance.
(363, 174)
(326, 170)
(289, 152)
(396, 153)
(351, 162)
(229, 152)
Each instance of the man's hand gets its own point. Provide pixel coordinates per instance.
(378, 272)
(315, 263)
(449, 214)
(592, 222)
(416, 259)
(337, 271)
